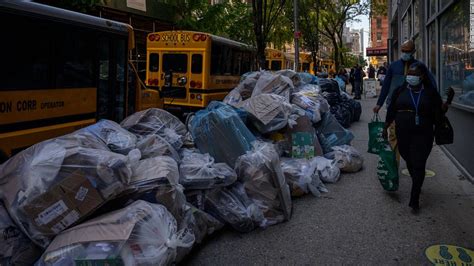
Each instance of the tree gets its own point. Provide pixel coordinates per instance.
(334, 15)
(309, 24)
(265, 13)
(84, 6)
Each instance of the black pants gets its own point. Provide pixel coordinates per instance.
(415, 147)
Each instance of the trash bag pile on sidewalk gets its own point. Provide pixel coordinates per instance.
(145, 191)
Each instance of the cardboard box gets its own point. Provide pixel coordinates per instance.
(304, 141)
(63, 205)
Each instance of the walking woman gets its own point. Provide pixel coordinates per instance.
(416, 107)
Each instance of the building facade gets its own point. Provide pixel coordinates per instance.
(443, 32)
(377, 50)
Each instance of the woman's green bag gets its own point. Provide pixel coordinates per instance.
(387, 168)
(375, 135)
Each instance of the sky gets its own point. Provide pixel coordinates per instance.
(363, 23)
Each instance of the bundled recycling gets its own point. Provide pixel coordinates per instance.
(147, 190)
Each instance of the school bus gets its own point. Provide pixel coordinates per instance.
(307, 64)
(278, 60)
(192, 69)
(61, 71)
(329, 65)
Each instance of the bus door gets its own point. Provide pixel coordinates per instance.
(175, 77)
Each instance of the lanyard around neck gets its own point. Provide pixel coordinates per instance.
(417, 103)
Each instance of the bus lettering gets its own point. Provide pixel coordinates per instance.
(51, 105)
(26, 105)
(5, 107)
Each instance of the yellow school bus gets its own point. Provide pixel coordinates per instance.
(307, 64)
(192, 69)
(329, 65)
(61, 71)
(278, 60)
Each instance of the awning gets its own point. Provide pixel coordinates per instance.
(377, 51)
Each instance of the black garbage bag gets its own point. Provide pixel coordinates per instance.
(342, 115)
(330, 86)
(357, 110)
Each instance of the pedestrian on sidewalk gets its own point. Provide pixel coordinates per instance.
(394, 78)
(371, 72)
(381, 72)
(351, 79)
(357, 81)
(416, 107)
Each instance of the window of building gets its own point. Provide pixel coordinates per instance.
(432, 7)
(456, 57)
(379, 23)
(416, 16)
(432, 47)
(379, 36)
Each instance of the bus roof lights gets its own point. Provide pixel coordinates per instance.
(203, 37)
(198, 85)
(196, 37)
(151, 37)
(192, 84)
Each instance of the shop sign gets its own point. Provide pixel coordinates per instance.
(376, 52)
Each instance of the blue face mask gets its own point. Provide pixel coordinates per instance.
(413, 80)
(406, 56)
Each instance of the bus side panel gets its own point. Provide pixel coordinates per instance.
(29, 105)
(31, 116)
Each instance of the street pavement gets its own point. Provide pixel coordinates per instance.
(357, 222)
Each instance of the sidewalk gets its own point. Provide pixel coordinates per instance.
(357, 222)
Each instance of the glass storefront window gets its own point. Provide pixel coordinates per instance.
(416, 16)
(432, 7)
(432, 51)
(457, 53)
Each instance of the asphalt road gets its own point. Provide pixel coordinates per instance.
(357, 222)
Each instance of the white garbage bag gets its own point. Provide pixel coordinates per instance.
(327, 169)
(347, 158)
(139, 234)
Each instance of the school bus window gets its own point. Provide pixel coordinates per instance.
(227, 62)
(103, 103)
(267, 64)
(245, 63)
(306, 66)
(276, 65)
(154, 62)
(216, 55)
(175, 62)
(236, 59)
(74, 65)
(196, 64)
(31, 68)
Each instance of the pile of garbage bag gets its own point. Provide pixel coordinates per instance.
(146, 190)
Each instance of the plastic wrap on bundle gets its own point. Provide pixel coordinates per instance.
(15, 247)
(292, 75)
(273, 84)
(152, 172)
(244, 90)
(302, 177)
(268, 112)
(232, 206)
(307, 78)
(311, 101)
(113, 135)
(156, 121)
(201, 224)
(260, 172)
(347, 158)
(331, 133)
(154, 145)
(55, 184)
(140, 234)
(326, 169)
(221, 133)
(199, 171)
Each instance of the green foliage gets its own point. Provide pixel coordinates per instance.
(84, 6)
(379, 7)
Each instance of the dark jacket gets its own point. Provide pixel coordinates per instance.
(402, 109)
(398, 68)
